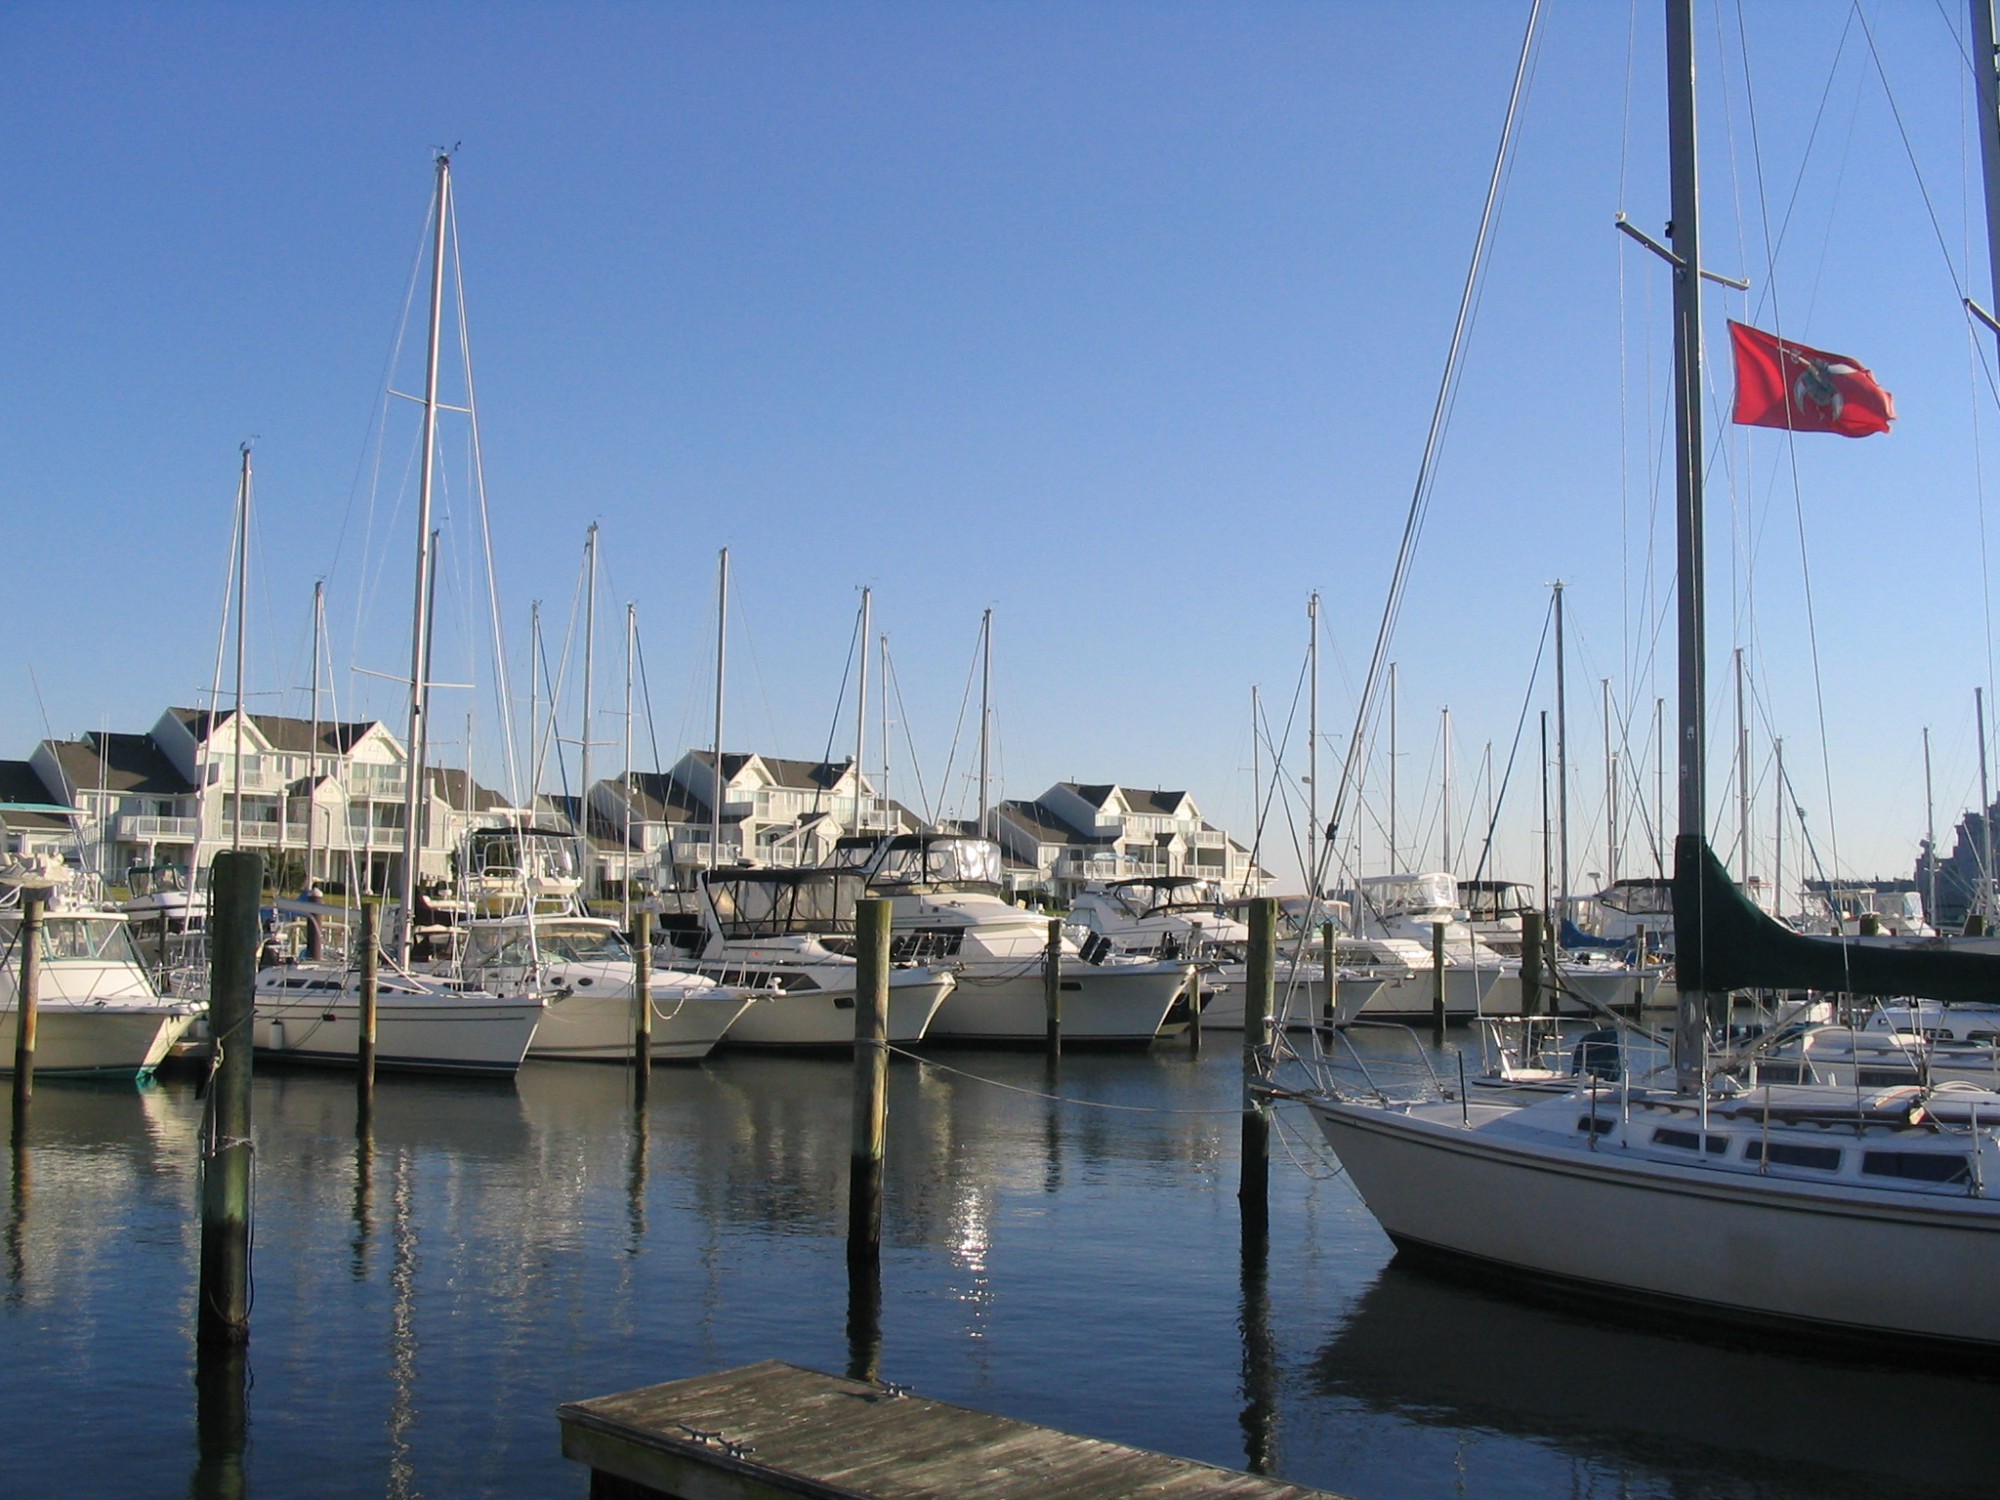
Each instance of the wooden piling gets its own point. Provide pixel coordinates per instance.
(642, 1000)
(1437, 979)
(1531, 963)
(871, 1079)
(1329, 963)
(1194, 988)
(26, 1006)
(1639, 969)
(1052, 985)
(371, 969)
(1253, 1192)
(236, 881)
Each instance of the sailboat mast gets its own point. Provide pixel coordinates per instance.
(861, 708)
(1547, 892)
(534, 702)
(420, 626)
(1742, 774)
(1256, 788)
(1444, 737)
(242, 596)
(583, 855)
(1312, 745)
(312, 743)
(1562, 755)
(1778, 843)
(1610, 789)
(985, 712)
(721, 666)
(1985, 907)
(1691, 1027)
(886, 824)
(1393, 867)
(1930, 837)
(631, 644)
(1986, 81)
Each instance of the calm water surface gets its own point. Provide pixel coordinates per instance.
(427, 1295)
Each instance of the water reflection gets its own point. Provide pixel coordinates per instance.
(402, 1328)
(1260, 1358)
(21, 1178)
(221, 1423)
(1718, 1420)
(864, 1318)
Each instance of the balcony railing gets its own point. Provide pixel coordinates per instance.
(146, 828)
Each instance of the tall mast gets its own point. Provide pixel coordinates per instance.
(985, 712)
(312, 756)
(1985, 812)
(420, 625)
(1312, 744)
(884, 792)
(1393, 866)
(861, 709)
(1444, 737)
(585, 858)
(534, 702)
(721, 666)
(1691, 1026)
(1547, 890)
(1562, 756)
(1930, 837)
(1742, 774)
(1610, 789)
(1986, 81)
(1778, 844)
(631, 642)
(1659, 786)
(242, 595)
(1256, 789)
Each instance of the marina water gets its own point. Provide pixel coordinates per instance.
(426, 1294)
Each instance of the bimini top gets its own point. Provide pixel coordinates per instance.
(1145, 895)
(937, 862)
(748, 903)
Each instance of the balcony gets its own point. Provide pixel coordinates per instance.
(146, 828)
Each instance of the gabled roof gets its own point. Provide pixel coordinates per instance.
(1157, 803)
(797, 775)
(119, 763)
(1048, 826)
(452, 786)
(293, 736)
(1095, 793)
(657, 797)
(24, 801)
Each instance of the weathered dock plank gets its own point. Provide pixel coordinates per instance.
(774, 1431)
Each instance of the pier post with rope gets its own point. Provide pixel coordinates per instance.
(29, 997)
(1052, 985)
(642, 1005)
(871, 1080)
(1531, 963)
(235, 884)
(1437, 982)
(371, 970)
(1253, 1192)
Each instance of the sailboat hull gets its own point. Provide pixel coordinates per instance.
(1004, 1002)
(1737, 1248)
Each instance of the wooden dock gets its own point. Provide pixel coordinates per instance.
(776, 1430)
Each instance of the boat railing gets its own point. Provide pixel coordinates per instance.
(1385, 1078)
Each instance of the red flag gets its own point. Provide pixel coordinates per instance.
(1782, 384)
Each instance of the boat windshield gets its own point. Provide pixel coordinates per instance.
(508, 944)
(776, 903)
(950, 863)
(1394, 895)
(95, 938)
(1491, 900)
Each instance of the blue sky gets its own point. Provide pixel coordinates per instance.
(1123, 320)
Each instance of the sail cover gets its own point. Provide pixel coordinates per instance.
(1724, 942)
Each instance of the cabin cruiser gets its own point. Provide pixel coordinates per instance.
(1403, 910)
(790, 934)
(946, 907)
(1188, 917)
(97, 1011)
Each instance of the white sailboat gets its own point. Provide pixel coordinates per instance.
(1849, 1212)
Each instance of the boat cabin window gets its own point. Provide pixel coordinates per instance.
(1690, 1140)
(1598, 1125)
(947, 864)
(1791, 1154)
(1394, 895)
(777, 903)
(1917, 1166)
(577, 942)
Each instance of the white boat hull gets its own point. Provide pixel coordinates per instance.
(798, 1018)
(432, 1033)
(599, 1027)
(1003, 1001)
(1468, 992)
(109, 1041)
(1302, 1003)
(1736, 1247)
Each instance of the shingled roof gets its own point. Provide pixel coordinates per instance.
(119, 763)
